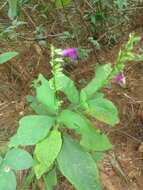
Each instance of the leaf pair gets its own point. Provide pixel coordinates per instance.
(36, 130)
(16, 159)
(74, 163)
(46, 100)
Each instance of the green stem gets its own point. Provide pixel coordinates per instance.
(53, 64)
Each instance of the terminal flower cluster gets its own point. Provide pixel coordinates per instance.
(120, 78)
(71, 52)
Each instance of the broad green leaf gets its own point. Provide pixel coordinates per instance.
(100, 79)
(39, 108)
(61, 3)
(40, 169)
(4, 57)
(72, 120)
(12, 12)
(32, 129)
(45, 94)
(78, 166)
(47, 150)
(103, 110)
(66, 85)
(7, 180)
(18, 159)
(95, 140)
(50, 180)
(92, 139)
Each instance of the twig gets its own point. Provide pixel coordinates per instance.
(132, 137)
(109, 31)
(70, 24)
(29, 17)
(81, 16)
(117, 167)
(5, 105)
(42, 38)
(132, 8)
(3, 6)
(136, 101)
(89, 4)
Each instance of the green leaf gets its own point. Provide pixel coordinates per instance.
(98, 95)
(103, 110)
(24, 1)
(47, 150)
(12, 12)
(72, 120)
(121, 4)
(7, 180)
(68, 88)
(97, 156)
(18, 159)
(4, 57)
(95, 140)
(78, 166)
(1, 159)
(61, 3)
(39, 108)
(32, 129)
(45, 94)
(92, 139)
(100, 79)
(40, 169)
(50, 180)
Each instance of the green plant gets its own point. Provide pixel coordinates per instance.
(4, 57)
(109, 19)
(10, 31)
(53, 148)
(94, 42)
(14, 6)
(15, 159)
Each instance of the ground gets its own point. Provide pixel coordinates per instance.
(122, 167)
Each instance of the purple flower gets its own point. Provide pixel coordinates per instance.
(71, 52)
(120, 78)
